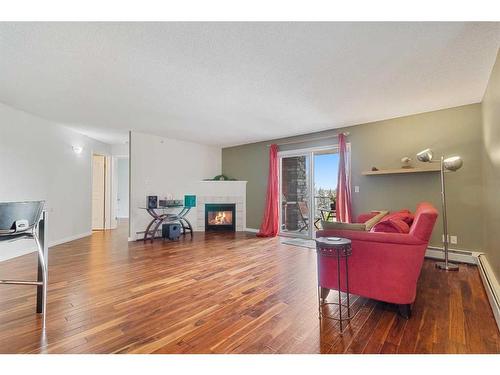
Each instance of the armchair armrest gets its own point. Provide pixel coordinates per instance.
(355, 235)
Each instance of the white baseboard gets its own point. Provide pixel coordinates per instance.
(251, 230)
(70, 238)
(19, 248)
(491, 286)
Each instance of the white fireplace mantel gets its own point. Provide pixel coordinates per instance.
(221, 192)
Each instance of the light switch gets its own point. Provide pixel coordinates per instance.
(356, 189)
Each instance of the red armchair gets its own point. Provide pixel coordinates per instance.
(383, 266)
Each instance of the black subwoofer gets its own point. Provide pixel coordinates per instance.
(171, 231)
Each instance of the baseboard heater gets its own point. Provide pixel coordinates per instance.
(490, 285)
(455, 255)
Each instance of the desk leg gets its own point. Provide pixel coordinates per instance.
(148, 228)
(183, 227)
(155, 229)
(189, 226)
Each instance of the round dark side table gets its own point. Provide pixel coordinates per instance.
(340, 249)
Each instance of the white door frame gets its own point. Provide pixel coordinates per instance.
(104, 191)
(308, 153)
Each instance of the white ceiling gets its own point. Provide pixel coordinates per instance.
(233, 83)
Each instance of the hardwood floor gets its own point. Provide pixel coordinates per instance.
(224, 293)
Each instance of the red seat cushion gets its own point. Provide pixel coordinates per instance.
(394, 225)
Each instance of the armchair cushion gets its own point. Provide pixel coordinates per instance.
(366, 224)
(395, 225)
(404, 215)
(374, 220)
(364, 217)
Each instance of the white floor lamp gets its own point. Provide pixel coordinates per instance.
(452, 164)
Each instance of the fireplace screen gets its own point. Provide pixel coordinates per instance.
(220, 217)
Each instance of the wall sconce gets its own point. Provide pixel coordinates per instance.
(77, 149)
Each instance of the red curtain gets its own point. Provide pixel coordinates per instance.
(343, 184)
(270, 223)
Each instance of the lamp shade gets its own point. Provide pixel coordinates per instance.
(453, 163)
(425, 155)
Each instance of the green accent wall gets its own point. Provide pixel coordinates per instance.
(491, 168)
(454, 131)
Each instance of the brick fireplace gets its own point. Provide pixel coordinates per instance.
(221, 193)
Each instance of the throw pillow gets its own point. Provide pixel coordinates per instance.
(391, 226)
(374, 220)
(404, 215)
(329, 225)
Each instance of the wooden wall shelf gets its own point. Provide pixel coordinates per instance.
(434, 168)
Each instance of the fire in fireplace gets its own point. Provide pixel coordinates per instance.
(220, 217)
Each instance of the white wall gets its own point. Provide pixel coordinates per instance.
(122, 188)
(162, 166)
(119, 149)
(37, 162)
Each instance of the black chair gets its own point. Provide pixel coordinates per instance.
(19, 220)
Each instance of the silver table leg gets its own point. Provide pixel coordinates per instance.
(42, 274)
(38, 232)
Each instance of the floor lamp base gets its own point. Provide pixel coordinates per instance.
(447, 267)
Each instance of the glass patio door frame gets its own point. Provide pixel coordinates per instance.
(309, 154)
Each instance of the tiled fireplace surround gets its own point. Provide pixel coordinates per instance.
(221, 192)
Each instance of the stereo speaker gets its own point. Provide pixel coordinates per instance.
(152, 201)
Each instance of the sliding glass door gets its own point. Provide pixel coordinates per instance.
(295, 201)
(308, 181)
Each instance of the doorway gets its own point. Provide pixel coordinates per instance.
(308, 183)
(122, 190)
(98, 192)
